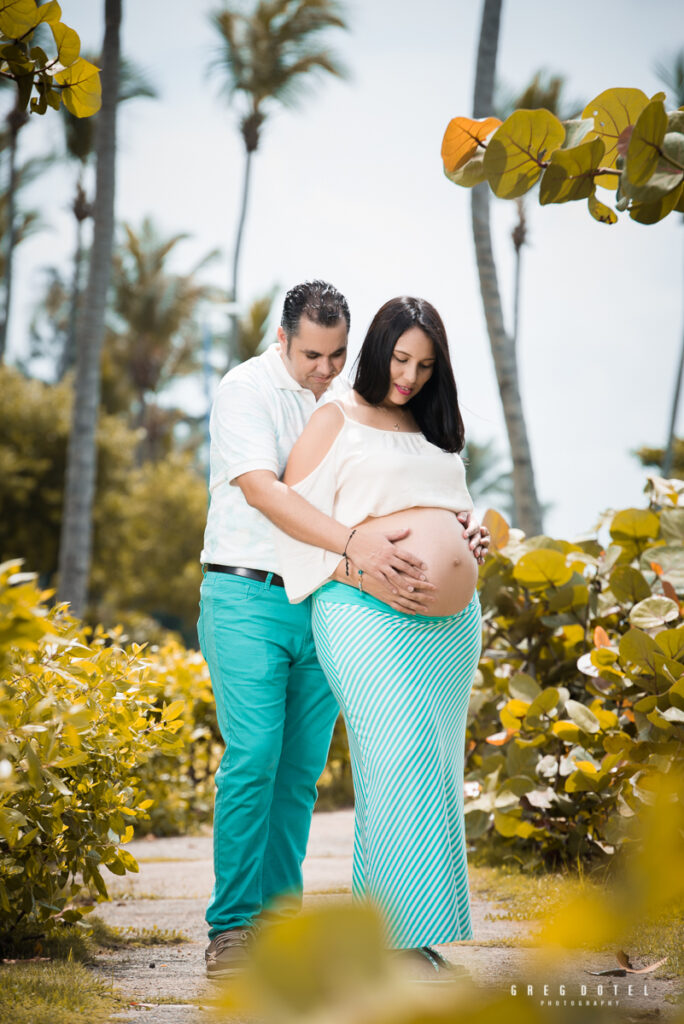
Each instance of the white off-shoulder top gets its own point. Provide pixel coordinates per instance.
(368, 472)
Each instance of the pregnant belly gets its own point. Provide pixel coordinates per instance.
(436, 538)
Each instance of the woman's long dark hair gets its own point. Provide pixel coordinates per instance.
(435, 407)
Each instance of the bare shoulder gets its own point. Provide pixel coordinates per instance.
(314, 442)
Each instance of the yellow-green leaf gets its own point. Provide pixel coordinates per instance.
(671, 641)
(570, 174)
(50, 12)
(654, 612)
(614, 111)
(658, 209)
(634, 524)
(542, 568)
(462, 139)
(523, 687)
(576, 131)
(173, 710)
(128, 860)
(644, 145)
(506, 824)
(628, 584)
(67, 42)
(519, 149)
(499, 532)
(518, 708)
(578, 783)
(17, 17)
(567, 731)
(82, 94)
(543, 703)
(582, 716)
(471, 174)
(600, 211)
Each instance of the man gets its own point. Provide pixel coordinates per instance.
(275, 710)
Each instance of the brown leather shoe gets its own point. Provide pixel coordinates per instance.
(226, 955)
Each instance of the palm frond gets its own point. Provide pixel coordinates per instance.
(544, 90)
(268, 54)
(670, 71)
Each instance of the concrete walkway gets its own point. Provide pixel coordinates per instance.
(167, 985)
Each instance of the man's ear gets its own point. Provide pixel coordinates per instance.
(282, 338)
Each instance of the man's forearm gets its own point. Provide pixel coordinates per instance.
(297, 517)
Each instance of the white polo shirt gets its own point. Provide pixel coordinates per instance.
(258, 413)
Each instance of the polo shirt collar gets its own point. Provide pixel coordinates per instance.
(277, 371)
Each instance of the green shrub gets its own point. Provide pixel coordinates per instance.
(180, 783)
(578, 705)
(76, 723)
(134, 570)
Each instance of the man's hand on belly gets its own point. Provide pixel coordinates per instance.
(478, 536)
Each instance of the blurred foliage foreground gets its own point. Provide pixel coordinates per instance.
(329, 966)
(576, 718)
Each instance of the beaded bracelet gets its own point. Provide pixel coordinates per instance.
(344, 553)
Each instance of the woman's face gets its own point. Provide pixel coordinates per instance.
(411, 366)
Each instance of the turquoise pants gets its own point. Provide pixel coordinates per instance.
(276, 714)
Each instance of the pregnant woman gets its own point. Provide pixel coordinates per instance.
(388, 454)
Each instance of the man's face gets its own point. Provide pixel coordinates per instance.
(316, 355)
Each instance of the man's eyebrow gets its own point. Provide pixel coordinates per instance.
(314, 355)
(427, 359)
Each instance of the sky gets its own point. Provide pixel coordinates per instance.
(349, 187)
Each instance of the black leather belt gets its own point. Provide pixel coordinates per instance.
(250, 574)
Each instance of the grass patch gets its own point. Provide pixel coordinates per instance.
(128, 895)
(523, 897)
(529, 898)
(73, 943)
(56, 993)
(117, 938)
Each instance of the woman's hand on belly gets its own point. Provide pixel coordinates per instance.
(437, 538)
(414, 601)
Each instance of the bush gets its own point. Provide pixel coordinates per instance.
(77, 721)
(180, 783)
(578, 705)
(148, 519)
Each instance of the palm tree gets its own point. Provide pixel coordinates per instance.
(656, 457)
(487, 479)
(16, 119)
(49, 326)
(156, 335)
(76, 535)
(672, 76)
(528, 513)
(545, 91)
(265, 57)
(79, 141)
(25, 222)
(253, 324)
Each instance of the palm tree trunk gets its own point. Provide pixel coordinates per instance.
(76, 537)
(16, 120)
(527, 509)
(669, 448)
(68, 356)
(233, 339)
(516, 299)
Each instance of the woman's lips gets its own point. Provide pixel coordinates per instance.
(403, 391)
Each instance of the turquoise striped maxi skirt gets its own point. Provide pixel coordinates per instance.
(403, 683)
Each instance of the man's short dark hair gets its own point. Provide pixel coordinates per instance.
(318, 301)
